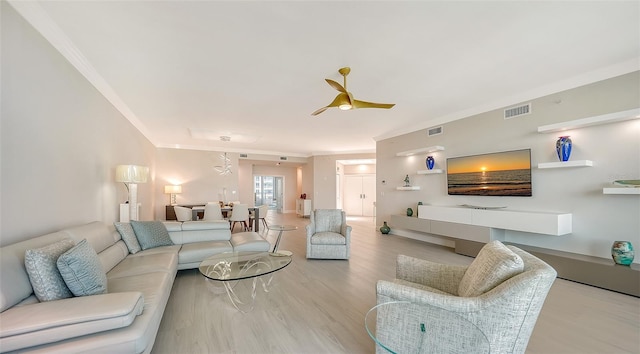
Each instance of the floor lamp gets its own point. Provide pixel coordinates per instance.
(131, 175)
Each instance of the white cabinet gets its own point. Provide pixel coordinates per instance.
(547, 223)
(303, 207)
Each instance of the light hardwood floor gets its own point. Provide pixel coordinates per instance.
(318, 306)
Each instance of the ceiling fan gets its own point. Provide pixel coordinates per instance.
(345, 100)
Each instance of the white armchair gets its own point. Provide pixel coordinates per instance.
(182, 213)
(500, 294)
(328, 235)
(212, 212)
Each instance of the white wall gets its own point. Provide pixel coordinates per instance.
(195, 171)
(598, 219)
(201, 183)
(324, 178)
(60, 141)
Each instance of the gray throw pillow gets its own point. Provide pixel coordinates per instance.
(151, 234)
(46, 281)
(82, 271)
(128, 236)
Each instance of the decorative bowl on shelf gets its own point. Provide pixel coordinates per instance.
(628, 183)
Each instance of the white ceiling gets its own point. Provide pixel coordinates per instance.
(186, 73)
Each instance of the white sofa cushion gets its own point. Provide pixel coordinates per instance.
(205, 225)
(113, 255)
(156, 288)
(128, 236)
(173, 226)
(44, 275)
(82, 271)
(97, 233)
(145, 263)
(47, 322)
(197, 252)
(328, 238)
(249, 242)
(494, 264)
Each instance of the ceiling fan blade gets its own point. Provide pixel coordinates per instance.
(336, 85)
(364, 104)
(341, 98)
(319, 111)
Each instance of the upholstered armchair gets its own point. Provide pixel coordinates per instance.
(328, 235)
(490, 306)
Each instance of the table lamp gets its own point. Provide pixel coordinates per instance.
(173, 190)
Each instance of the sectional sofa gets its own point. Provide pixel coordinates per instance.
(126, 315)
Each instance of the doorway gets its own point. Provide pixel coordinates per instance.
(356, 186)
(359, 194)
(269, 190)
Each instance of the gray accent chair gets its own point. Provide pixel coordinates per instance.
(328, 235)
(458, 302)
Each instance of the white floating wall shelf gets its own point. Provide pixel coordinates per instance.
(412, 188)
(621, 190)
(420, 151)
(589, 121)
(577, 163)
(430, 172)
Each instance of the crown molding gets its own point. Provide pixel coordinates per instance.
(35, 15)
(601, 74)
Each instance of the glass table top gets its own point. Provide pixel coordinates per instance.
(283, 227)
(242, 265)
(425, 329)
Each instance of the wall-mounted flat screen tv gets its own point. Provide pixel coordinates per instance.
(506, 173)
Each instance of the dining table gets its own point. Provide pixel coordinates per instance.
(226, 210)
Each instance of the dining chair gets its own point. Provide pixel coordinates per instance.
(212, 212)
(239, 214)
(262, 214)
(182, 213)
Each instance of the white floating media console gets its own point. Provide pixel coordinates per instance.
(547, 223)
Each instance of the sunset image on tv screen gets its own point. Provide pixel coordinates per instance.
(496, 174)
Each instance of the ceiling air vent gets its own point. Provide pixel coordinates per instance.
(434, 131)
(244, 155)
(517, 111)
(283, 158)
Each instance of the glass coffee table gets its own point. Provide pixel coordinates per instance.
(406, 327)
(232, 267)
(281, 229)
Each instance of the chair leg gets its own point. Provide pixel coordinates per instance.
(264, 222)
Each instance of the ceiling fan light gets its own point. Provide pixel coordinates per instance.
(345, 107)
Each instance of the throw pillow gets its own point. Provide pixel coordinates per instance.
(82, 271)
(494, 264)
(45, 278)
(151, 234)
(128, 236)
